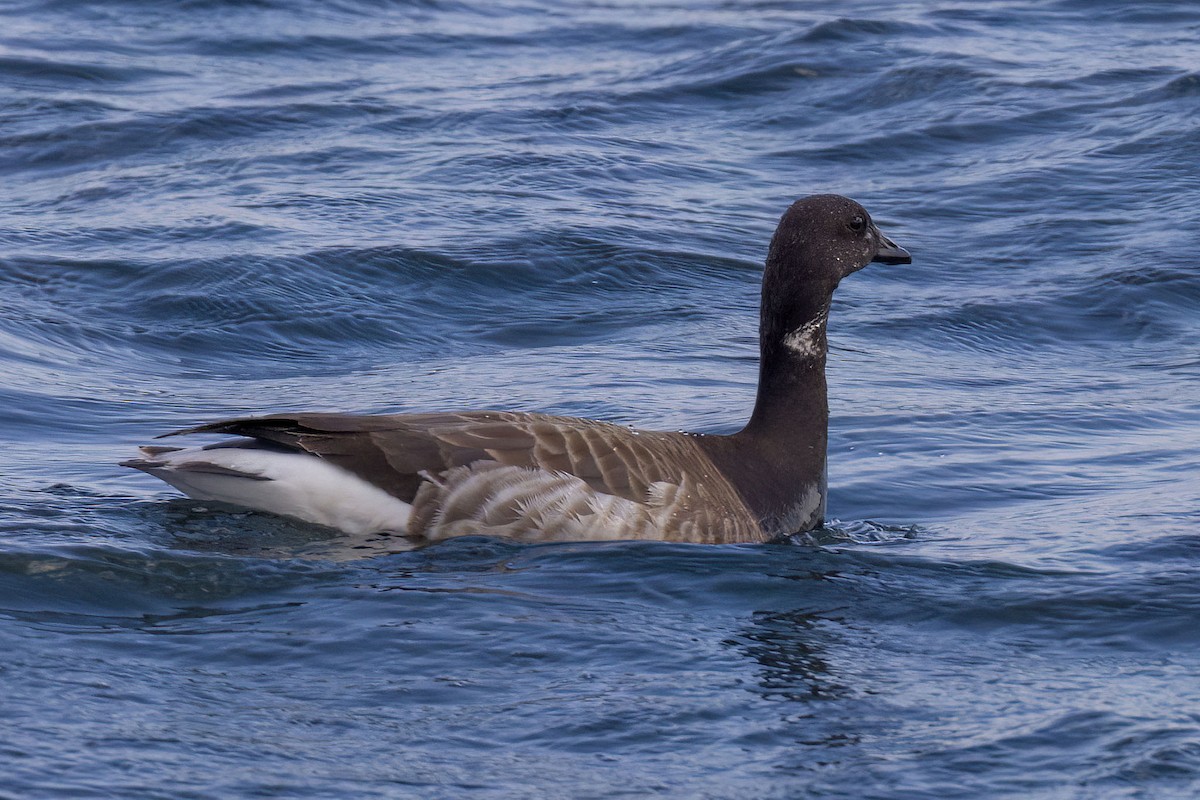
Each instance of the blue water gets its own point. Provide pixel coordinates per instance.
(213, 208)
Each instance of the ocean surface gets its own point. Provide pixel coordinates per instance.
(213, 208)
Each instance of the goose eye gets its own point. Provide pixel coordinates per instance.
(858, 223)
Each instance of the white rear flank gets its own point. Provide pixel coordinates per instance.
(293, 484)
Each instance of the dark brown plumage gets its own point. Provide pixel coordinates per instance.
(536, 476)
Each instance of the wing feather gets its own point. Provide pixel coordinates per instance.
(400, 453)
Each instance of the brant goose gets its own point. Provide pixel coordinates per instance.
(537, 477)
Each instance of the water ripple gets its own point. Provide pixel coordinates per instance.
(218, 207)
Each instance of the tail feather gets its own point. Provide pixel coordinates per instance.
(266, 479)
(153, 451)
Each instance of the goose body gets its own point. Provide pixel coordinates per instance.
(538, 477)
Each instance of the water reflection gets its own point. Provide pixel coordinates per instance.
(220, 528)
(794, 666)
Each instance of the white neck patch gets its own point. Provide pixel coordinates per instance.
(806, 340)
